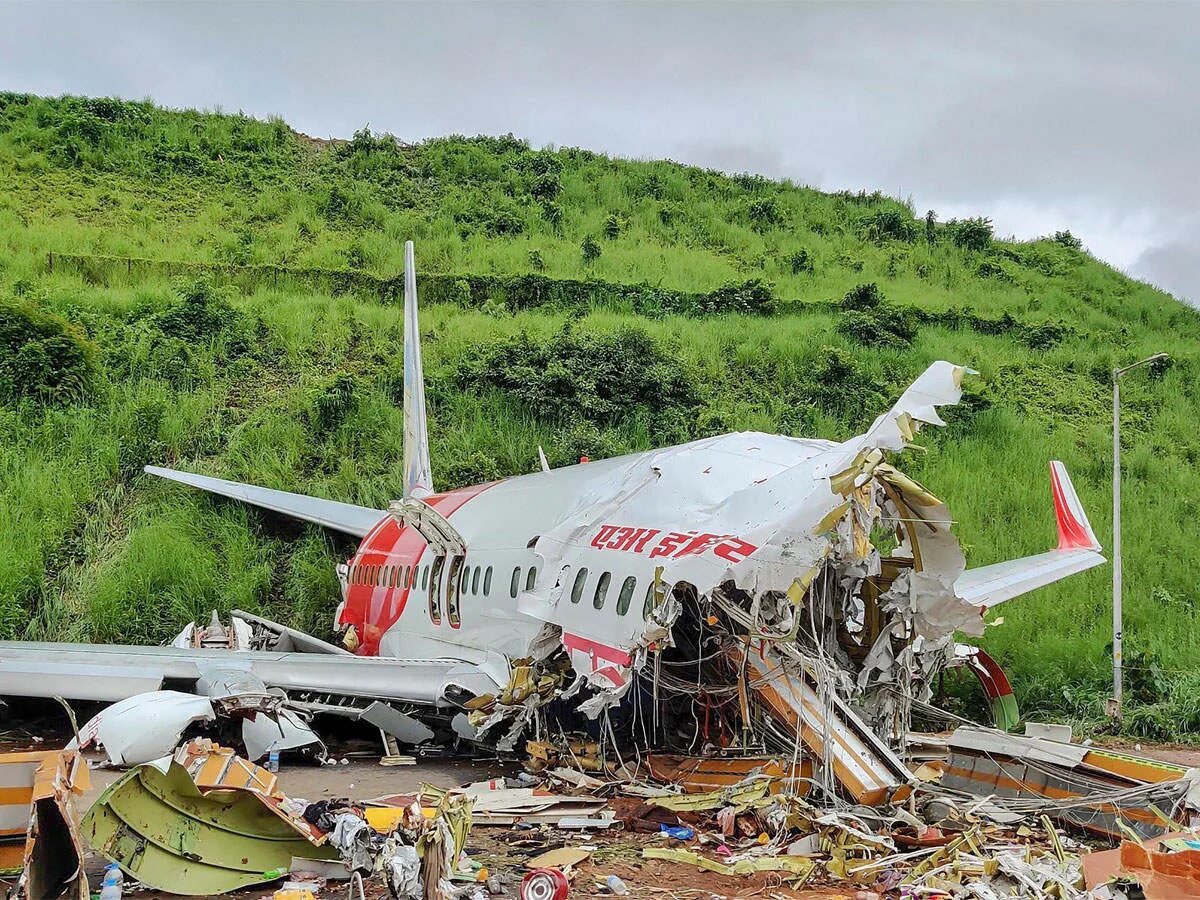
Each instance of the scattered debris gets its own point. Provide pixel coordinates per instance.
(201, 822)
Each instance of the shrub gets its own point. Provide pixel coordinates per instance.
(43, 357)
(612, 227)
(971, 234)
(203, 313)
(883, 326)
(931, 227)
(763, 213)
(604, 379)
(801, 261)
(330, 404)
(590, 250)
(535, 260)
(888, 223)
(1068, 240)
(864, 296)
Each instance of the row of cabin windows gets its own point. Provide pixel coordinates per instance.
(600, 593)
(389, 576)
(409, 576)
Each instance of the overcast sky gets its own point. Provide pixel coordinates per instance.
(1083, 115)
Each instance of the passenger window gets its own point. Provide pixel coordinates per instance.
(425, 578)
(531, 578)
(412, 577)
(475, 581)
(465, 579)
(601, 594)
(648, 606)
(626, 595)
(396, 573)
(487, 581)
(515, 583)
(577, 590)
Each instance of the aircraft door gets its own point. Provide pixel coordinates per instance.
(435, 590)
(453, 591)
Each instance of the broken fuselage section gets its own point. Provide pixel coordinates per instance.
(790, 591)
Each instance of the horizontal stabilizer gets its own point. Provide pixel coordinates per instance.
(1078, 550)
(344, 517)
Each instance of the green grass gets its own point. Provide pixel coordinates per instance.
(299, 389)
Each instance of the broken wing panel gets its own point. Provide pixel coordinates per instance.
(344, 517)
(1078, 551)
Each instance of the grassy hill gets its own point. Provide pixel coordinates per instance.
(587, 304)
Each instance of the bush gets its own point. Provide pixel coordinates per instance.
(590, 250)
(331, 403)
(43, 357)
(1068, 240)
(888, 224)
(883, 326)
(971, 234)
(864, 296)
(612, 227)
(800, 261)
(202, 314)
(763, 214)
(605, 379)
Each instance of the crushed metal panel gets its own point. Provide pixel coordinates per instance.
(863, 764)
(144, 727)
(162, 830)
(38, 832)
(1087, 783)
(283, 731)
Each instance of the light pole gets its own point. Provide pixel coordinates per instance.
(1115, 706)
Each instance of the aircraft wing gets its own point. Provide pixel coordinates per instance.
(1077, 551)
(344, 517)
(112, 672)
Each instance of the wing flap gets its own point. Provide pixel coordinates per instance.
(345, 517)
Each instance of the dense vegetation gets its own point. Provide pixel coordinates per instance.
(587, 304)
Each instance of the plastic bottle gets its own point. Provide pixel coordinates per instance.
(273, 761)
(616, 885)
(110, 887)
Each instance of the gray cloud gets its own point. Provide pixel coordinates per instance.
(1044, 116)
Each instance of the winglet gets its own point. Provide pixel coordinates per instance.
(1074, 530)
(418, 476)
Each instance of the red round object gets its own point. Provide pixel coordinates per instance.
(545, 884)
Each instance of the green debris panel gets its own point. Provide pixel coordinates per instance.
(164, 832)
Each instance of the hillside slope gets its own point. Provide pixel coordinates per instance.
(587, 304)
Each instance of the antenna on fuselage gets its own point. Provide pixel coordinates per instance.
(418, 476)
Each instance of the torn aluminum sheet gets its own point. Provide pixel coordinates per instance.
(157, 824)
(148, 726)
(144, 727)
(39, 835)
(283, 731)
(1101, 791)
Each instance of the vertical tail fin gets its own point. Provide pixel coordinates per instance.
(418, 477)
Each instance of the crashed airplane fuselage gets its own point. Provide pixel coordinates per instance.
(802, 553)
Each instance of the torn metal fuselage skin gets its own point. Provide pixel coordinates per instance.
(806, 582)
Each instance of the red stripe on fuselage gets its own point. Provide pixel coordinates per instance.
(372, 610)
